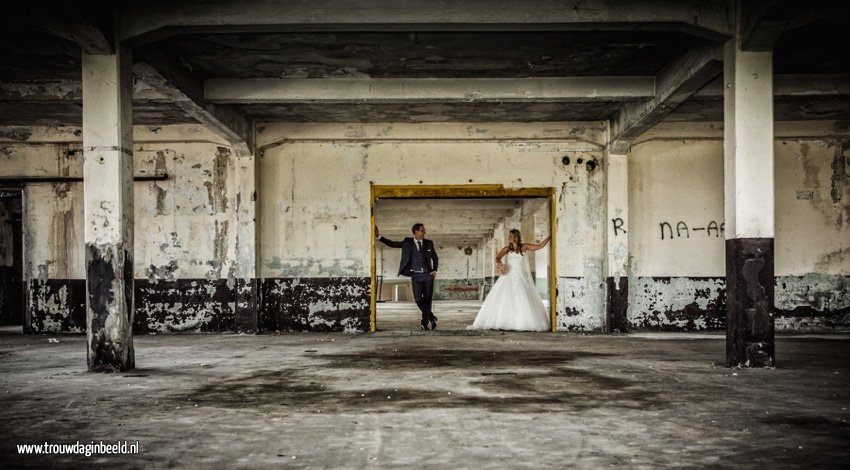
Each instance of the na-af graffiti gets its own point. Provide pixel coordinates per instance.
(683, 231)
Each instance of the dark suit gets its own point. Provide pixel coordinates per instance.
(418, 265)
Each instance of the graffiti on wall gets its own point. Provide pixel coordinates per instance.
(618, 226)
(683, 231)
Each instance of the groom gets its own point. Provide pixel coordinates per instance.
(419, 261)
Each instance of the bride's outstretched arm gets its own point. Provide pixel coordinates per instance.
(536, 246)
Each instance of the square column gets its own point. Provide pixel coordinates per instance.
(749, 205)
(246, 243)
(108, 200)
(617, 242)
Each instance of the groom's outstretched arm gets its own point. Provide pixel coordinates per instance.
(387, 241)
(390, 243)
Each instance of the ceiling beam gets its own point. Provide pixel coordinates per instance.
(187, 92)
(478, 230)
(764, 21)
(87, 25)
(399, 90)
(680, 79)
(412, 213)
(63, 90)
(792, 85)
(397, 225)
(147, 21)
(72, 90)
(464, 235)
(454, 203)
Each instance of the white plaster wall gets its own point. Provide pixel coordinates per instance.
(812, 207)
(185, 225)
(676, 182)
(681, 180)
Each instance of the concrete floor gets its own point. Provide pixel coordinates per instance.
(401, 317)
(431, 400)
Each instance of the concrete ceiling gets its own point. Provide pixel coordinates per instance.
(227, 40)
(451, 222)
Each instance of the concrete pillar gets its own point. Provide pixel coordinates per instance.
(108, 200)
(494, 249)
(749, 205)
(247, 282)
(541, 257)
(482, 257)
(527, 227)
(617, 242)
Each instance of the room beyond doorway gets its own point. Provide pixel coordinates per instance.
(468, 225)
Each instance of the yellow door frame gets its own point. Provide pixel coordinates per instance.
(463, 192)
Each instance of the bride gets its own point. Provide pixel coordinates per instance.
(513, 303)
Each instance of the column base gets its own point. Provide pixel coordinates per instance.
(749, 302)
(616, 309)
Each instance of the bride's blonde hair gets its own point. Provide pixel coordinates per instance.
(518, 239)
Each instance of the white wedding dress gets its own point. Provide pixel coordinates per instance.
(513, 302)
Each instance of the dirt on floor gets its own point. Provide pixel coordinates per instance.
(429, 400)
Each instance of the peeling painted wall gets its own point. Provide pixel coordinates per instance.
(676, 243)
(184, 247)
(318, 225)
(315, 304)
(678, 303)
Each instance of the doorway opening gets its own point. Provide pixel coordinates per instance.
(468, 225)
(12, 297)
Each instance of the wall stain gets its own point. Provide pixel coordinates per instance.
(217, 188)
(159, 195)
(813, 303)
(311, 267)
(834, 258)
(160, 163)
(161, 273)
(19, 134)
(839, 187)
(221, 240)
(62, 238)
(835, 209)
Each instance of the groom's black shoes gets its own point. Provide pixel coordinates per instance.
(433, 322)
(423, 325)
